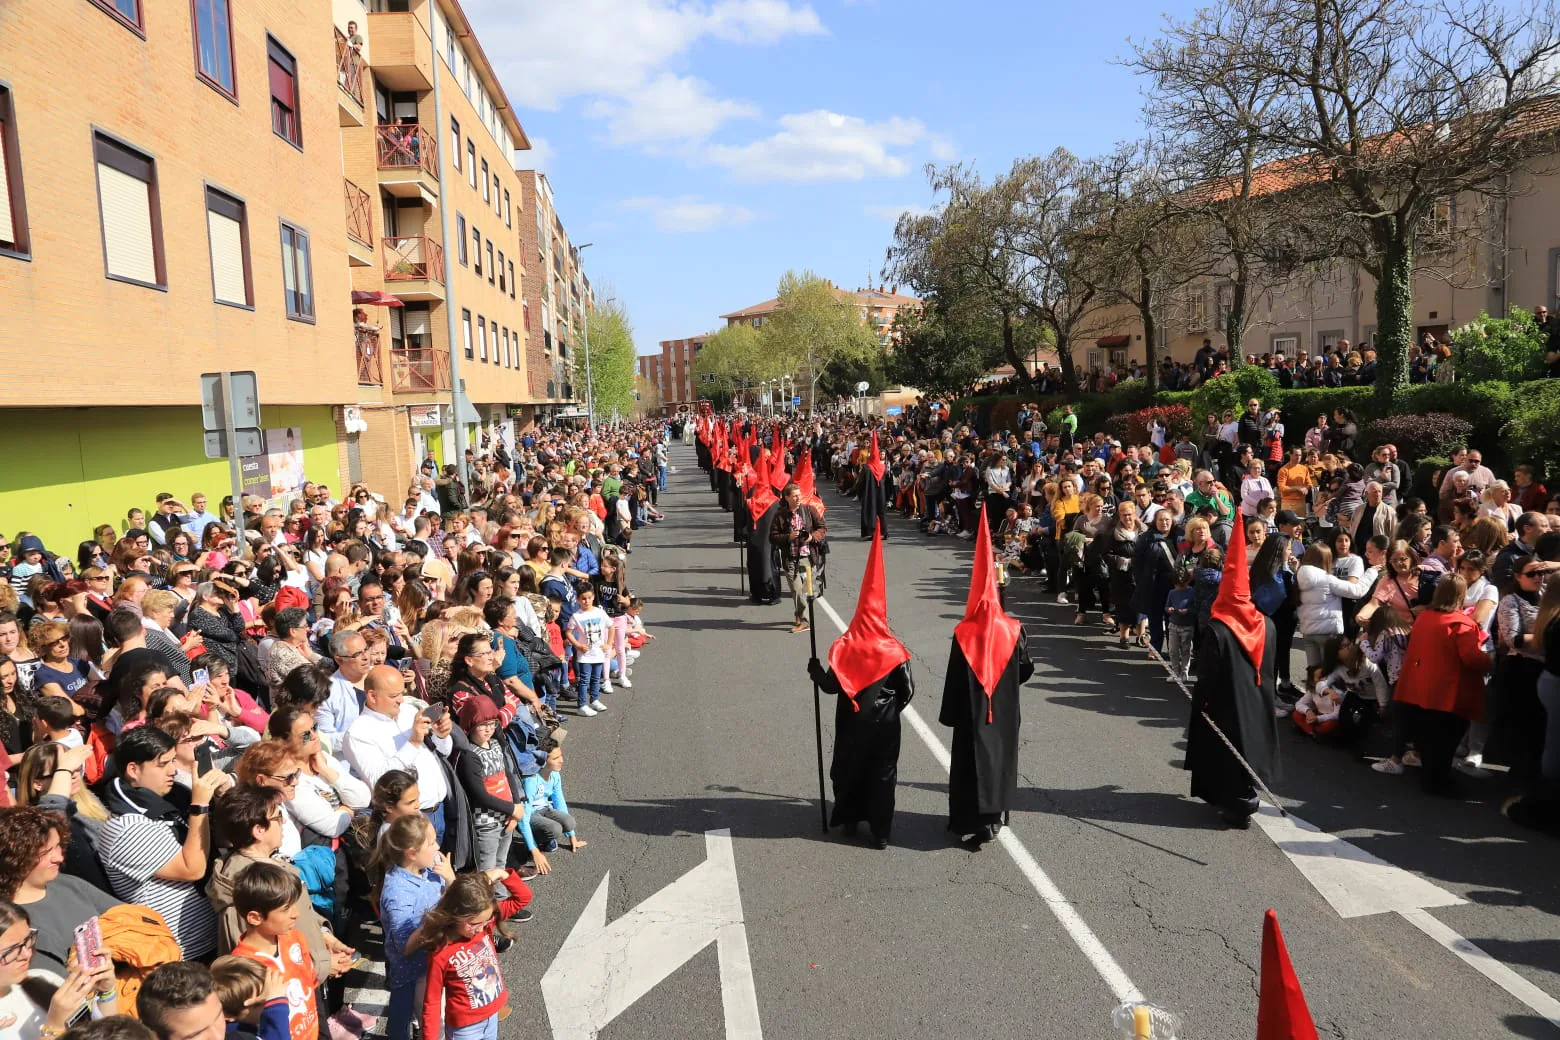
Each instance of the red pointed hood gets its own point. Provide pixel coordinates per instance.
(778, 477)
(760, 496)
(875, 459)
(1281, 1010)
(868, 650)
(1233, 604)
(802, 477)
(987, 635)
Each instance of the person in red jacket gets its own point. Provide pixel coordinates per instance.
(1441, 687)
(466, 990)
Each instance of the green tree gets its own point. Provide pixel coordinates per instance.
(814, 326)
(946, 347)
(612, 361)
(730, 361)
(1509, 349)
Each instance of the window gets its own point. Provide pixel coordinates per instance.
(481, 339)
(227, 228)
(454, 136)
(284, 93)
(411, 327)
(504, 332)
(126, 11)
(487, 191)
(1327, 342)
(498, 209)
(1285, 343)
(501, 282)
(493, 327)
(1223, 303)
(511, 279)
(297, 278)
(214, 44)
(490, 261)
(132, 218)
(450, 48)
(465, 326)
(460, 239)
(525, 314)
(13, 209)
(476, 250)
(1196, 308)
(508, 217)
(471, 161)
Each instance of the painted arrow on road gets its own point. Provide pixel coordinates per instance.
(602, 969)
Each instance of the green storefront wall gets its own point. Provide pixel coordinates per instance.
(66, 470)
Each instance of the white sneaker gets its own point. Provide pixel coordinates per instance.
(587, 711)
(1388, 766)
(1474, 761)
(598, 706)
(1061, 597)
(625, 684)
(606, 687)
(1411, 758)
(633, 655)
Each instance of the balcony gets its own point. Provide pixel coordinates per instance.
(368, 372)
(349, 80)
(360, 225)
(408, 160)
(403, 50)
(415, 267)
(419, 370)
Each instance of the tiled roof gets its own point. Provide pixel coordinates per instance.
(867, 297)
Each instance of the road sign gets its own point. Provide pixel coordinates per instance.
(245, 405)
(230, 413)
(893, 409)
(796, 400)
(249, 443)
(603, 968)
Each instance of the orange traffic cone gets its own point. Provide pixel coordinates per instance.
(1281, 1010)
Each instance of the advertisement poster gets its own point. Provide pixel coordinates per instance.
(284, 455)
(255, 474)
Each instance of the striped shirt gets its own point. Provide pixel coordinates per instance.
(133, 849)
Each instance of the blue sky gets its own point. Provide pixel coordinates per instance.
(706, 147)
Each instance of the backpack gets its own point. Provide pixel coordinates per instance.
(139, 941)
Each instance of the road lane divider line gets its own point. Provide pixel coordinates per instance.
(1062, 908)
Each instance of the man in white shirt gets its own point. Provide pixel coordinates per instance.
(391, 733)
(341, 707)
(427, 502)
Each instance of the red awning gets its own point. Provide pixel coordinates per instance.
(376, 298)
(1113, 341)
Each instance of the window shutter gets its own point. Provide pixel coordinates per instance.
(481, 340)
(417, 323)
(397, 329)
(7, 228)
(227, 258)
(282, 86)
(127, 225)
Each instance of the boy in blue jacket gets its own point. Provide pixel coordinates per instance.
(547, 811)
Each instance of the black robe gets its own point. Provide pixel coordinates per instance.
(723, 489)
(983, 778)
(741, 521)
(1227, 690)
(763, 576)
(865, 766)
(875, 496)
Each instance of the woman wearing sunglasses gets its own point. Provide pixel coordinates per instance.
(38, 1003)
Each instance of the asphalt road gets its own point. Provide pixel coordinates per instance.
(929, 939)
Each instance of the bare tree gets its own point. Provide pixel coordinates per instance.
(1403, 105)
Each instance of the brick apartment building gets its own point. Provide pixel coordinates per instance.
(670, 373)
(557, 297)
(175, 213)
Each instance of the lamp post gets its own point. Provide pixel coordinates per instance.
(590, 395)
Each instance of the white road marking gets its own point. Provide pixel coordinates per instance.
(1061, 907)
(602, 968)
(1486, 965)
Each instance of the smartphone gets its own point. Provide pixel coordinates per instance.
(201, 677)
(203, 758)
(436, 712)
(89, 939)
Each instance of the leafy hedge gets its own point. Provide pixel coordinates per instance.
(1532, 434)
(1417, 436)
(1132, 427)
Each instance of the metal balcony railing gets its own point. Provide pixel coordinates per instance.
(407, 146)
(360, 213)
(349, 68)
(418, 369)
(411, 258)
(367, 344)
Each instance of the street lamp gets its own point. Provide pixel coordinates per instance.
(590, 390)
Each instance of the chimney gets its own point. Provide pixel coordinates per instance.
(894, 290)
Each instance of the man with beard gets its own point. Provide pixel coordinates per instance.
(987, 664)
(869, 670)
(875, 493)
(1235, 669)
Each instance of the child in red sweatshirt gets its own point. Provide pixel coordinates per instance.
(466, 990)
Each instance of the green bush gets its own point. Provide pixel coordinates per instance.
(1486, 405)
(1509, 349)
(1425, 485)
(1231, 392)
(1533, 432)
(1301, 407)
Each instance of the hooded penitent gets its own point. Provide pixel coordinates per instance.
(868, 650)
(1233, 605)
(761, 495)
(987, 635)
(778, 477)
(802, 477)
(875, 459)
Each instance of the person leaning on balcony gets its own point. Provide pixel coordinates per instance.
(360, 321)
(354, 38)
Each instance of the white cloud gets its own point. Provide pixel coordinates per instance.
(893, 213)
(687, 213)
(823, 146)
(617, 54)
(539, 156)
(667, 109)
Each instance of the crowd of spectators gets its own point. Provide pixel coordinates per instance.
(226, 742)
(1427, 618)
